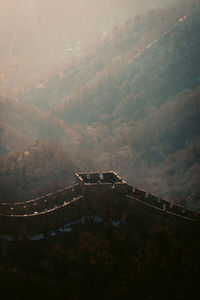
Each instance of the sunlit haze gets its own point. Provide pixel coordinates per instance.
(40, 34)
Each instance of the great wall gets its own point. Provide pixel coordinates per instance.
(54, 210)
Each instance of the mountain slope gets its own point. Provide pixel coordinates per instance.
(104, 60)
(165, 67)
(38, 35)
(37, 170)
(22, 124)
(131, 104)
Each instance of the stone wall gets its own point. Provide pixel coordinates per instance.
(40, 204)
(166, 206)
(41, 222)
(57, 209)
(105, 177)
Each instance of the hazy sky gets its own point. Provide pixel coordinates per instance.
(61, 19)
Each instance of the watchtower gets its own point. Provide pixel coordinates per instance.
(104, 181)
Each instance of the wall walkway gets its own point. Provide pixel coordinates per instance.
(54, 210)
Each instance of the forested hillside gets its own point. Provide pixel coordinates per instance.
(131, 104)
(22, 124)
(40, 168)
(105, 67)
(134, 100)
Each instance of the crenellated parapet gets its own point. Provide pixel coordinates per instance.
(163, 205)
(57, 209)
(42, 204)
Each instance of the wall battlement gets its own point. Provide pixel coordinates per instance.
(57, 209)
(100, 178)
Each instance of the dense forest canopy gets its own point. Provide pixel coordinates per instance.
(103, 261)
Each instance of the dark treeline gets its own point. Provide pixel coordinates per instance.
(131, 105)
(102, 261)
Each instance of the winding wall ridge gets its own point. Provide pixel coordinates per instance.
(42, 204)
(163, 205)
(56, 209)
